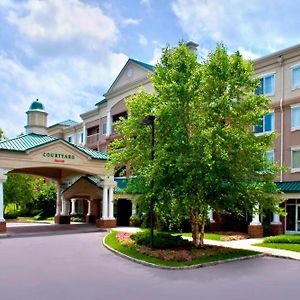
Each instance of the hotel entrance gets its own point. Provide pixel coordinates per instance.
(293, 216)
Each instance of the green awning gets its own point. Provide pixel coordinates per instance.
(289, 187)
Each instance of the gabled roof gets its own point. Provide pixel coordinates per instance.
(65, 123)
(91, 179)
(146, 66)
(289, 187)
(142, 64)
(101, 102)
(31, 141)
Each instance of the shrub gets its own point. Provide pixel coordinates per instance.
(134, 220)
(11, 215)
(77, 219)
(162, 240)
(283, 239)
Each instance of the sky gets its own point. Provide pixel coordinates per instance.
(67, 53)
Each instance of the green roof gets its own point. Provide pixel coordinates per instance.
(31, 141)
(101, 102)
(65, 123)
(36, 105)
(127, 185)
(147, 66)
(289, 187)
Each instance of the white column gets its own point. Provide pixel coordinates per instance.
(133, 208)
(276, 220)
(58, 199)
(84, 133)
(108, 123)
(255, 218)
(2, 180)
(73, 207)
(210, 216)
(89, 213)
(64, 210)
(104, 204)
(111, 202)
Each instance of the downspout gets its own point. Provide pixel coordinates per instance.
(280, 60)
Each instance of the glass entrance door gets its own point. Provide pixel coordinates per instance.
(293, 216)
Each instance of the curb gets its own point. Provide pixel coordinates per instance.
(213, 263)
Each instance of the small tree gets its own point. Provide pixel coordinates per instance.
(206, 155)
(18, 189)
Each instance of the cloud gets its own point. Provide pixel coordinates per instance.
(143, 40)
(131, 21)
(64, 56)
(252, 25)
(146, 3)
(157, 53)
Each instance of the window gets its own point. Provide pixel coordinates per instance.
(70, 139)
(270, 156)
(266, 124)
(296, 77)
(104, 128)
(267, 85)
(81, 137)
(295, 117)
(295, 159)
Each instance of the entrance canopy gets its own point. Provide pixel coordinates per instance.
(50, 157)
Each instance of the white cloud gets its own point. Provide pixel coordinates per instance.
(146, 3)
(143, 40)
(240, 23)
(131, 21)
(65, 54)
(247, 54)
(157, 53)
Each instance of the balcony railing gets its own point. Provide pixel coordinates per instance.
(92, 139)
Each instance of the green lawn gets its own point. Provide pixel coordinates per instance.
(131, 251)
(285, 242)
(291, 247)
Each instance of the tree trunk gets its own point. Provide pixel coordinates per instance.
(203, 222)
(194, 218)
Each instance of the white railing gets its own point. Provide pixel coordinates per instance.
(93, 138)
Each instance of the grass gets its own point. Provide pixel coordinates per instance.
(131, 251)
(290, 247)
(33, 219)
(284, 242)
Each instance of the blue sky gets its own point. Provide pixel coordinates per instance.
(68, 52)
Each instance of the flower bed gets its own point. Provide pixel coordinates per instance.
(123, 242)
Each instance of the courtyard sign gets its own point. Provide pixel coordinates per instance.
(58, 156)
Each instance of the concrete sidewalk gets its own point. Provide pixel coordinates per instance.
(247, 244)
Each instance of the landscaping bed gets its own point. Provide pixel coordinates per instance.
(180, 254)
(284, 242)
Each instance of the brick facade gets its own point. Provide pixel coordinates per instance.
(106, 223)
(62, 219)
(255, 231)
(2, 227)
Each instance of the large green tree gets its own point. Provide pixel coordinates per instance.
(206, 154)
(18, 189)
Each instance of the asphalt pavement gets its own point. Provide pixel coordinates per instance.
(77, 266)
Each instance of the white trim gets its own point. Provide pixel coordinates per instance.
(292, 107)
(104, 133)
(294, 149)
(294, 87)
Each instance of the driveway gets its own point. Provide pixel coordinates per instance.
(77, 266)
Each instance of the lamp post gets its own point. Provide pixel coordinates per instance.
(149, 120)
